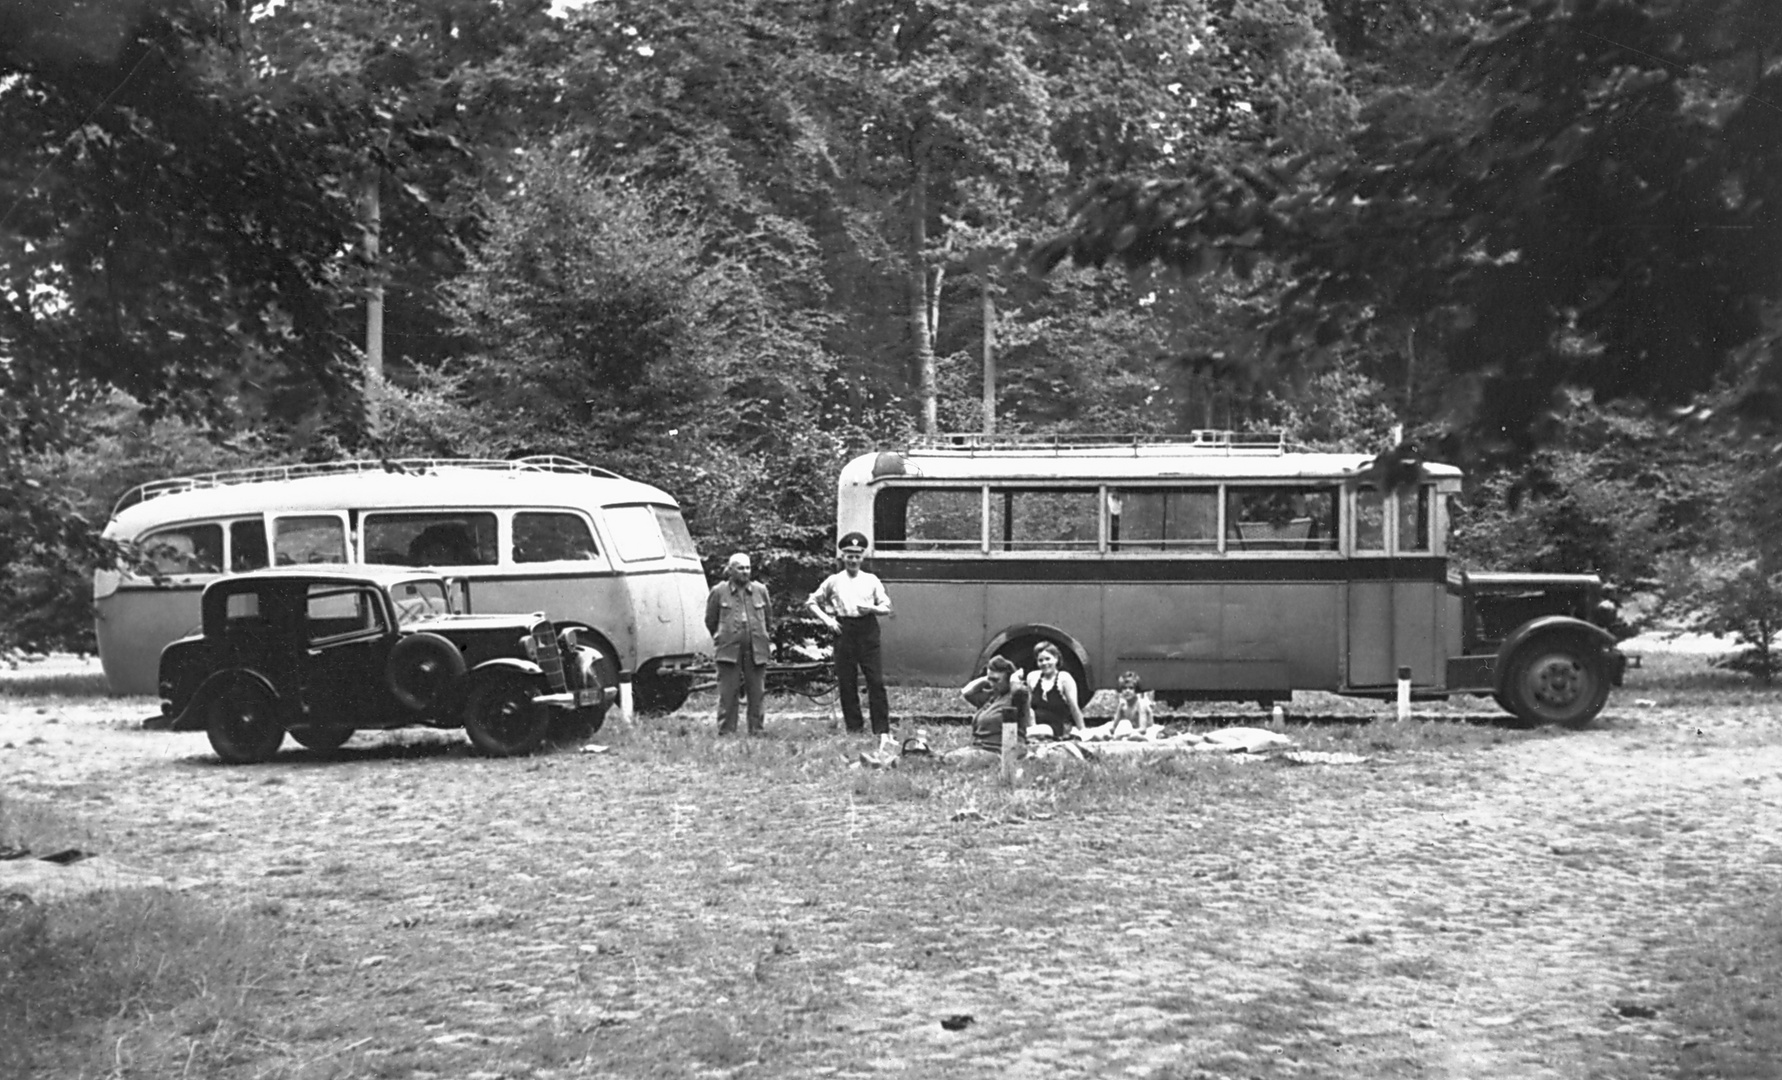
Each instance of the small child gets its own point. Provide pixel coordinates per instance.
(1132, 711)
(1134, 707)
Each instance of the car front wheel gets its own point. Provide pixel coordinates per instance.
(502, 718)
(242, 723)
(1555, 680)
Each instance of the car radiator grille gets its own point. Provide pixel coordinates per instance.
(550, 658)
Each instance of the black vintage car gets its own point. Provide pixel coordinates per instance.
(322, 652)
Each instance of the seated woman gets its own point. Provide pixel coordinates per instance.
(1001, 697)
(1055, 709)
(1132, 712)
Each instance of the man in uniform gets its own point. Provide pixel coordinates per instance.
(739, 616)
(850, 602)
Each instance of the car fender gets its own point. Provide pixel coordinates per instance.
(1549, 624)
(506, 663)
(191, 718)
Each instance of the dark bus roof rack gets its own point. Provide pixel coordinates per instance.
(1211, 440)
(549, 463)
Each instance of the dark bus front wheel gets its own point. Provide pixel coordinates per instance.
(1555, 680)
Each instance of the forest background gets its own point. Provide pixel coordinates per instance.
(723, 245)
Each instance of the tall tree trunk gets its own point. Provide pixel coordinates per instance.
(989, 357)
(374, 306)
(923, 304)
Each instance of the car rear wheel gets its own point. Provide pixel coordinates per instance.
(242, 723)
(322, 738)
(502, 718)
(1556, 680)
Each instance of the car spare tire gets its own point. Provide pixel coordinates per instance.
(422, 670)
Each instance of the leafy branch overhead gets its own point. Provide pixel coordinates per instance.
(1608, 219)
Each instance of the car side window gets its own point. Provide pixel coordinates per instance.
(335, 611)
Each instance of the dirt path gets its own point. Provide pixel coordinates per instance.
(1506, 912)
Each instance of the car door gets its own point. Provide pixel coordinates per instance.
(348, 635)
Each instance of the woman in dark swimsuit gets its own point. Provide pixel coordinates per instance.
(1055, 705)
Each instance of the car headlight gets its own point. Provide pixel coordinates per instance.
(531, 648)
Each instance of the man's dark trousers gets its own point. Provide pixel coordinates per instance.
(857, 654)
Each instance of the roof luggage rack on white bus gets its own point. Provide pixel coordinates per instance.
(1208, 440)
(552, 463)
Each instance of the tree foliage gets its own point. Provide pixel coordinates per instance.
(1608, 221)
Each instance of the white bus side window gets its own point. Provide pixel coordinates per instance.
(1279, 518)
(1045, 519)
(431, 538)
(675, 533)
(541, 536)
(1159, 519)
(636, 534)
(185, 549)
(1370, 520)
(247, 545)
(305, 539)
(928, 519)
(1413, 520)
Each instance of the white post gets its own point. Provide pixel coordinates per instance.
(1404, 693)
(1010, 737)
(626, 707)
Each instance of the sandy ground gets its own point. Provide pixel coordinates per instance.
(1511, 912)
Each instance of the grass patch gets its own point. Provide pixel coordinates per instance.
(1727, 998)
(20, 684)
(76, 975)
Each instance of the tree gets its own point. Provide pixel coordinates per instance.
(1609, 221)
(604, 324)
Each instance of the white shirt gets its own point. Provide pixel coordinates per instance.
(844, 595)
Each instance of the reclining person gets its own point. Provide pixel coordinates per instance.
(1001, 697)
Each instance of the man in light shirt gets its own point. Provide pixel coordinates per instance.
(850, 602)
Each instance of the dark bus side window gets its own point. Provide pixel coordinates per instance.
(1280, 518)
(1045, 519)
(1163, 519)
(927, 519)
(1413, 520)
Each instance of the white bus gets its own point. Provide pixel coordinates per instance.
(584, 545)
(1214, 567)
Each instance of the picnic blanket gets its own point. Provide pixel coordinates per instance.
(1231, 740)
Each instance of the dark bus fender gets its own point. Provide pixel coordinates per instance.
(1559, 624)
(191, 718)
(1047, 632)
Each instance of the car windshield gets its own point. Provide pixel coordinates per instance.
(418, 600)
